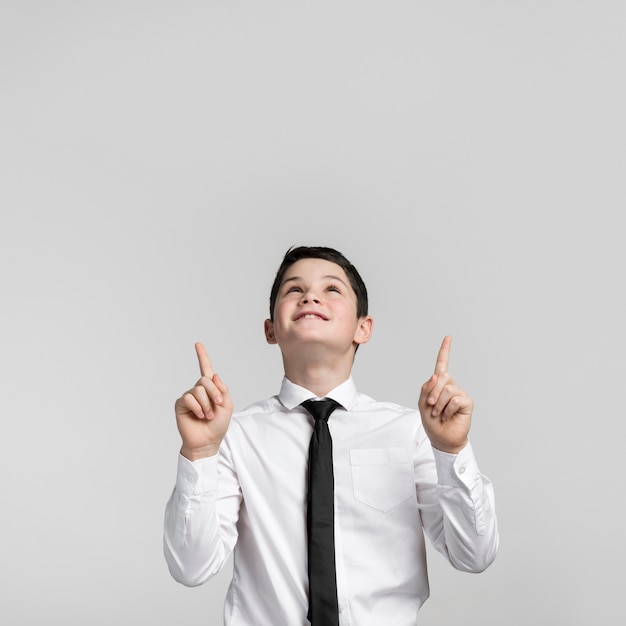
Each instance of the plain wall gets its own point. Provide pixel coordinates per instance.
(158, 158)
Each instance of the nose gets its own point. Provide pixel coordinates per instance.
(309, 296)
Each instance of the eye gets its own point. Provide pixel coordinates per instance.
(333, 288)
(292, 289)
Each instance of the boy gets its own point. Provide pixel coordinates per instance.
(242, 482)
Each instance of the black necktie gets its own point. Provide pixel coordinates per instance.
(323, 609)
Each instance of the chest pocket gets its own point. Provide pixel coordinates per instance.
(382, 477)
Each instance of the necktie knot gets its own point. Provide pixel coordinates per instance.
(320, 409)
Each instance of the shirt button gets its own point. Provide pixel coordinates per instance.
(189, 478)
(462, 469)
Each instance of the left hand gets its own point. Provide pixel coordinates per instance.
(446, 409)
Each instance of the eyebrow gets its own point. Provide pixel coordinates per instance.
(331, 276)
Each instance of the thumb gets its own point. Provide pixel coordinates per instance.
(221, 387)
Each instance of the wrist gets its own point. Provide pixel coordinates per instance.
(448, 449)
(195, 454)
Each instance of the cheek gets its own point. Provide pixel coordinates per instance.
(282, 314)
(279, 309)
(349, 320)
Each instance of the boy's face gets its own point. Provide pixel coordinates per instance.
(316, 305)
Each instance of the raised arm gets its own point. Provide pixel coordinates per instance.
(458, 513)
(197, 541)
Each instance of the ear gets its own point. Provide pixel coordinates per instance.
(269, 331)
(364, 330)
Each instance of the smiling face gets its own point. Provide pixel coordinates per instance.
(317, 307)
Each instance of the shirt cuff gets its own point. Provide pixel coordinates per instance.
(456, 470)
(197, 477)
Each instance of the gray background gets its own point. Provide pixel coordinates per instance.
(158, 158)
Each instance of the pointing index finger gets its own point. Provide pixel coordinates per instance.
(441, 367)
(206, 369)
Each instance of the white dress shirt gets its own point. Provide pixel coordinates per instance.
(391, 487)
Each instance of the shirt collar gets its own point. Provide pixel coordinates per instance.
(291, 395)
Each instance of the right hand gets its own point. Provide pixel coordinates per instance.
(203, 413)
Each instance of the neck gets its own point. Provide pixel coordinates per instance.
(319, 378)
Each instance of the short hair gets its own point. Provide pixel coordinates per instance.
(294, 254)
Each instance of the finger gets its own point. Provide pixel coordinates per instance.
(435, 389)
(206, 388)
(428, 390)
(208, 399)
(203, 398)
(459, 404)
(189, 403)
(221, 388)
(441, 366)
(206, 369)
(448, 392)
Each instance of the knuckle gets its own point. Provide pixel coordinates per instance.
(201, 386)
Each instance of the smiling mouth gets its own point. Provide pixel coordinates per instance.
(310, 316)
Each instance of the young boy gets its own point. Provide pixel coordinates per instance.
(242, 480)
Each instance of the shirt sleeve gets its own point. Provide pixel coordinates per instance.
(457, 506)
(200, 527)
